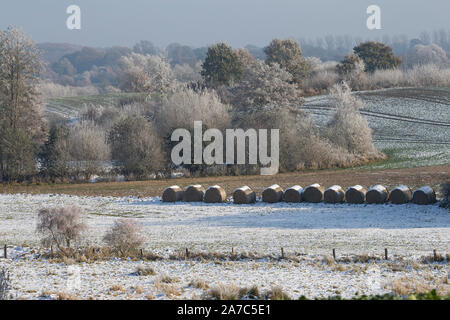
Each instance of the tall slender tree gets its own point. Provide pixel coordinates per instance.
(23, 128)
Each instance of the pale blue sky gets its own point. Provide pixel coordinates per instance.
(202, 22)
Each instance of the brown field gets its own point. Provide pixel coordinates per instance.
(413, 177)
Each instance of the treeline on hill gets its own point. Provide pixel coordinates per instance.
(230, 88)
(72, 65)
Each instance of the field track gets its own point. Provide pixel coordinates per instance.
(413, 177)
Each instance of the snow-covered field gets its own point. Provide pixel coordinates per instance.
(306, 231)
(410, 124)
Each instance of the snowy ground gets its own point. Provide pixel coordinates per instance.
(307, 231)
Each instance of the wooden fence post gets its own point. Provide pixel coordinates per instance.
(5, 251)
(282, 253)
(334, 254)
(386, 253)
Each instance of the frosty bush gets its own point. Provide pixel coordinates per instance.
(60, 226)
(145, 73)
(5, 284)
(320, 80)
(426, 54)
(387, 78)
(348, 129)
(87, 148)
(263, 85)
(428, 75)
(136, 147)
(185, 73)
(185, 106)
(124, 237)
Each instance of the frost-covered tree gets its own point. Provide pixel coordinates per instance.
(146, 73)
(136, 147)
(348, 128)
(185, 106)
(288, 55)
(221, 66)
(263, 84)
(60, 226)
(427, 54)
(87, 148)
(377, 56)
(22, 125)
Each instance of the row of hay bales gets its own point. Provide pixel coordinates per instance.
(314, 193)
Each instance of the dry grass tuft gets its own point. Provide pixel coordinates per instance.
(277, 293)
(199, 284)
(145, 271)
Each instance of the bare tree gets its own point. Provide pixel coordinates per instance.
(60, 226)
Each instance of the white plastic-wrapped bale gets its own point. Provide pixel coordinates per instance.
(244, 195)
(400, 194)
(313, 193)
(424, 195)
(377, 194)
(355, 194)
(172, 194)
(194, 193)
(293, 194)
(272, 194)
(334, 194)
(215, 194)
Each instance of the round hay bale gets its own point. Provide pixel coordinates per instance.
(272, 194)
(355, 194)
(377, 194)
(334, 194)
(401, 194)
(313, 193)
(424, 195)
(194, 193)
(244, 195)
(294, 194)
(172, 194)
(215, 194)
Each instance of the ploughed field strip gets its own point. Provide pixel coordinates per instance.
(410, 124)
(314, 193)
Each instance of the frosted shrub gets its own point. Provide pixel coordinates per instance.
(60, 226)
(387, 78)
(88, 149)
(124, 237)
(185, 73)
(426, 54)
(136, 147)
(321, 80)
(185, 106)
(428, 75)
(348, 129)
(145, 73)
